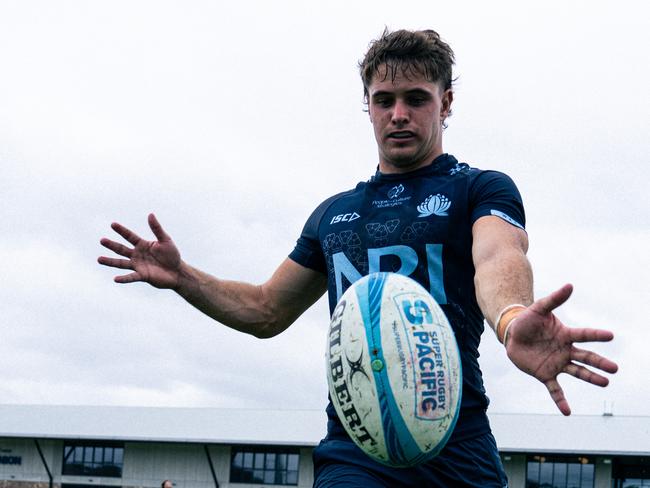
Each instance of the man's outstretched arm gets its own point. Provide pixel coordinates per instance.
(536, 341)
(261, 310)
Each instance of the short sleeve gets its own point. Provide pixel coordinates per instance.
(494, 193)
(308, 251)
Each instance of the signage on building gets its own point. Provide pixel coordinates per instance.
(11, 460)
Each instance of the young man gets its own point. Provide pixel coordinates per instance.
(457, 230)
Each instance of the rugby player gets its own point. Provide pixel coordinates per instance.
(457, 230)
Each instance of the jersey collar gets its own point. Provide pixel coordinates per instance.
(439, 166)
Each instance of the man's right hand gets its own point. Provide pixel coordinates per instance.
(261, 310)
(155, 262)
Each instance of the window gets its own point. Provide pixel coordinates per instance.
(93, 459)
(271, 466)
(560, 472)
(632, 483)
(68, 485)
(631, 472)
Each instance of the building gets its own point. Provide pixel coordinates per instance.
(73, 447)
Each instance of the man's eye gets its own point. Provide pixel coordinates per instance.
(383, 102)
(417, 101)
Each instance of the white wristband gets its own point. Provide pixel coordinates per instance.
(497, 327)
(505, 332)
(505, 309)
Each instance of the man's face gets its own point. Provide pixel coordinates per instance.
(407, 115)
(168, 484)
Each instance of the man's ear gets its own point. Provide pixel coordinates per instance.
(445, 107)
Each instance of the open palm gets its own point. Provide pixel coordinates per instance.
(539, 344)
(155, 262)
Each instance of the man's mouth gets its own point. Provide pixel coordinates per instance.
(402, 134)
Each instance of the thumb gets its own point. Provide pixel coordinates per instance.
(546, 305)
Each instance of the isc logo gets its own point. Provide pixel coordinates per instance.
(347, 217)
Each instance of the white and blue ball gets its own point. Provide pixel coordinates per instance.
(393, 369)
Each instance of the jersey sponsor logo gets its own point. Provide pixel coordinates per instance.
(394, 198)
(408, 263)
(346, 217)
(434, 205)
(396, 191)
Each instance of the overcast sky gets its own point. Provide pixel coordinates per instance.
(233, 120)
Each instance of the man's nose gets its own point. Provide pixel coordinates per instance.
(400, 113)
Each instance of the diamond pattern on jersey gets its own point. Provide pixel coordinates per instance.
(352, 243)
(380, 232)
(349, 243)
(414, 231)
(333, 242)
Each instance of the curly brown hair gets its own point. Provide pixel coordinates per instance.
(421, 52)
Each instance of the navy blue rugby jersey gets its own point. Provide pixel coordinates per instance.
(418, 224)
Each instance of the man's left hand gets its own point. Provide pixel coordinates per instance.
(539, 344)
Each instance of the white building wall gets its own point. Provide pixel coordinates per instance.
(603, 474)
(147, 464)
(31, 467)
(220, 456)
(515, 467)
(306, 475)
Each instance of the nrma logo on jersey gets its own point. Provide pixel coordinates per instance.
(409, 261)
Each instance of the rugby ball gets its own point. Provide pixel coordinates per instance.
(393, 369)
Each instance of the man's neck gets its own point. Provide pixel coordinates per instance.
(387, 168)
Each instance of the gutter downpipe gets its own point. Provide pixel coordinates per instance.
(40, 453)
(214, 475)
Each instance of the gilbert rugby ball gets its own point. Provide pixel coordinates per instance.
(393, 369)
